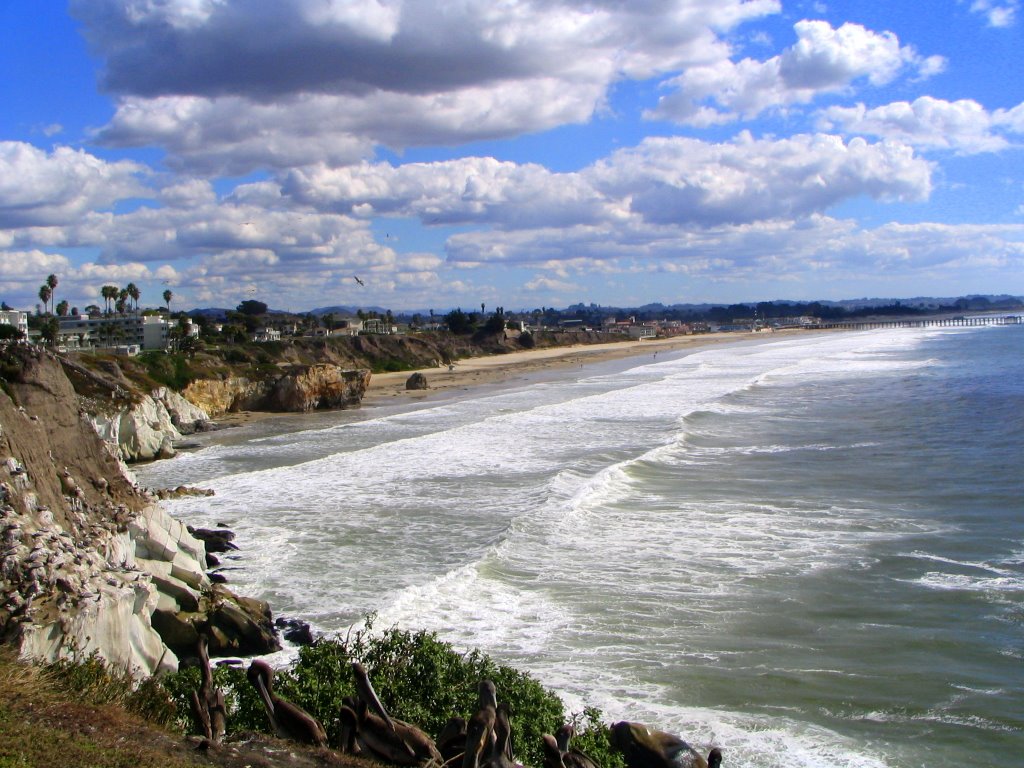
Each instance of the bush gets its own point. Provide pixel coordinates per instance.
(171, 370)
(418, 677)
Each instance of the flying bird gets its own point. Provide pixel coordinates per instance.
(356, 278)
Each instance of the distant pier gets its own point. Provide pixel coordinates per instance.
(924, 322)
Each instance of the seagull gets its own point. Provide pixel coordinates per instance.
(356, 278)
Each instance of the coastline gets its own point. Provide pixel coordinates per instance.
(470, 372)
(495, 369)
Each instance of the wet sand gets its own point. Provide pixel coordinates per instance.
(494, 369)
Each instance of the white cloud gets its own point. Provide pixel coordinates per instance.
(823, 60)
(963, 126)
(37, 188)
(998, 13)
(226, 87)
(678, 181)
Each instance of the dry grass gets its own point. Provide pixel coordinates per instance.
(73, 716)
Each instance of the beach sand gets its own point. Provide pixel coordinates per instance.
(494, 369)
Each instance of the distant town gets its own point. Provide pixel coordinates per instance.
(123, 326)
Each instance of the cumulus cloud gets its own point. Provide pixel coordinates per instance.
(40, 189)
(677, 181)
(227, 86)
(823, 60)
(963, 126)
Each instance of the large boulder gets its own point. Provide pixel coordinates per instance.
(417, 381)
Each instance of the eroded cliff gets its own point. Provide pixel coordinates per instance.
(88, 562)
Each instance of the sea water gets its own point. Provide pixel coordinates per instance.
(807, 551)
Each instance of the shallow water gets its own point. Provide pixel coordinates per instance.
(807, 551)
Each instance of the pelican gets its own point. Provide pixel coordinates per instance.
(451, 741)
(552, 754)
(356, 278)
(572, 758)
(645, 747)
(289, 720)
(385, 737)
(480, 737)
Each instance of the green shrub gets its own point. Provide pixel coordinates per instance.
(171, 370)
(418, 677)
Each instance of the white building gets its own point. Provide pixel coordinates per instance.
(108, 331)
(264, 335)
(18, 319)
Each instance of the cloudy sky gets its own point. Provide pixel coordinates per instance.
(521, 153)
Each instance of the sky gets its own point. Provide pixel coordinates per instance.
(510, 153)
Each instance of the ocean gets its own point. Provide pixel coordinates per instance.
(806, 550)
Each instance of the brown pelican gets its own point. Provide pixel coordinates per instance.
(645, 747)
(384, 737)
(480, 737)
(552, 754)
(451, 741)
(572, 758)
(289, 720)
(501, 753)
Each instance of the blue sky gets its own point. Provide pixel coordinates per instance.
(520, 154)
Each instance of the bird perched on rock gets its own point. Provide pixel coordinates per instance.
(644, 747)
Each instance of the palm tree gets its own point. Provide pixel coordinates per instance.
(45, 292)
(168, 295)
(133, 292)
(51, 281)
(122, 301)
(109, 294)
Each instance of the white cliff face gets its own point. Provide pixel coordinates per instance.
(87, 562)
(148, 429)
(95, 588)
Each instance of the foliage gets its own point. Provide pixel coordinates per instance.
(171, 370)
(9, 332)
(526, 340)
(459, 322)
(252, 307)
(95, 681)
(418, 677)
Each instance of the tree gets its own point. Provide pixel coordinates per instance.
(51, 281)
(50, 330)
(168, 295)
(62, 308)
(252, 307)
(109, 294)
(45, 292)
(133, 293)
(122, 301)
(458, 322)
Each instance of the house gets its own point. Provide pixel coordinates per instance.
(264, 335)
(18, 319)
(645, 331)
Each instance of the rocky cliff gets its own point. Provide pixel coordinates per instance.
(88, 562)
(300, 388)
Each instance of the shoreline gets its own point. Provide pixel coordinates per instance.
(472, 372)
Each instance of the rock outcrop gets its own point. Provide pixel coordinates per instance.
(300, 388)
(417, 381)
(87, 561)
(139, 426)
(319, 386)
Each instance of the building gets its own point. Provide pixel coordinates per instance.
(18, 319)
(111, 331)
(264, 335)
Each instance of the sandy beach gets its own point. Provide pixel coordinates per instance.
(493, 369)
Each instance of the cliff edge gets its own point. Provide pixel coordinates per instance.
(88, 561)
